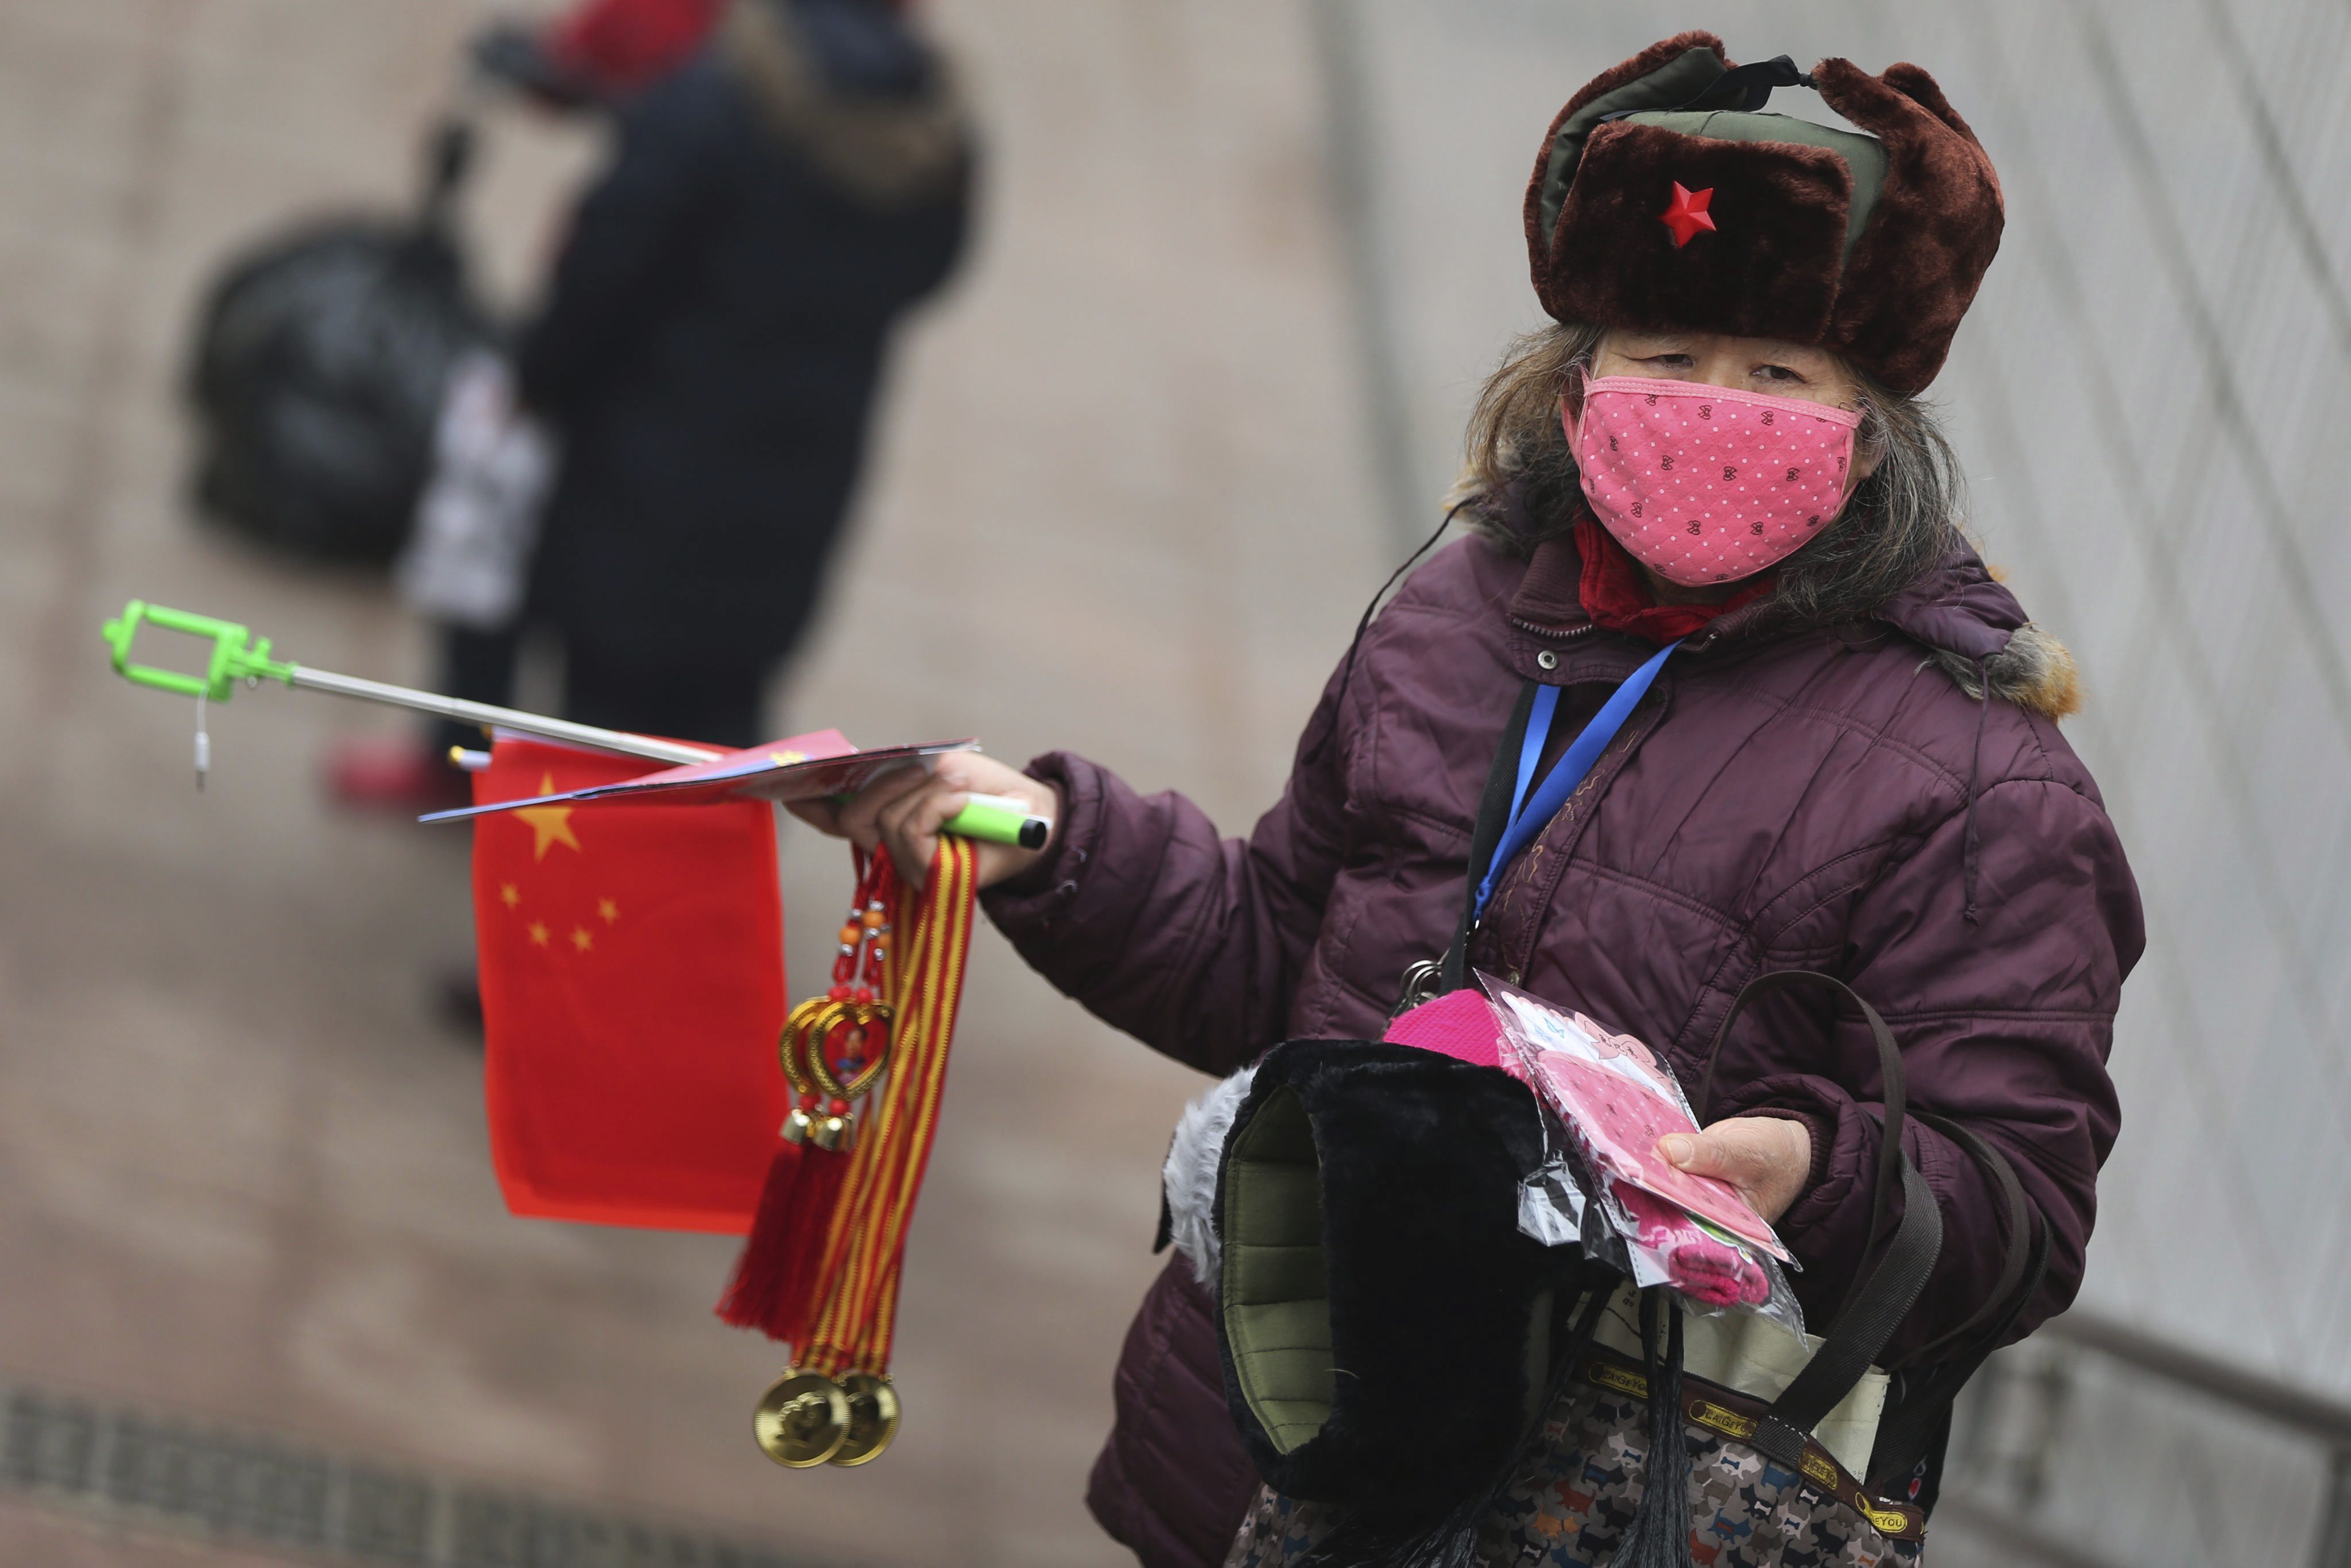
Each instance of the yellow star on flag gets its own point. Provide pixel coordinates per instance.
(609, 909)
(539, 932)
(580, 939)
(509, 893)
(552, 824)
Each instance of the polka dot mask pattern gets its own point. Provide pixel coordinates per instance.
(1704, 485)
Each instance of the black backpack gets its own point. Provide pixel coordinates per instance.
(318, 370)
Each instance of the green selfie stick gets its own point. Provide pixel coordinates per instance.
(237, 655)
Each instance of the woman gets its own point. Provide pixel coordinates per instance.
(1850, 763)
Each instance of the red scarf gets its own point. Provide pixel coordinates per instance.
(1617, 596)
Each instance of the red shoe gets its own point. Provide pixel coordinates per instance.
(386, 774)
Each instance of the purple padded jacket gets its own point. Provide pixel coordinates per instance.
(1829, 800)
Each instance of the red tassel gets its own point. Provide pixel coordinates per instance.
(778, 1286)
(755, 1296)
(799, 1254)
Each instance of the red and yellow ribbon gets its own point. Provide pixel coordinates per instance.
(865, 1247)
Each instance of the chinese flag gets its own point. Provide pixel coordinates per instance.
(632, 986)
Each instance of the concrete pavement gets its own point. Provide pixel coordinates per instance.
(1118, 505)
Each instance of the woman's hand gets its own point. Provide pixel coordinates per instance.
(1767, 1158)
(903, 809)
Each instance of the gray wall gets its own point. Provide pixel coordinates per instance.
(2151, 403)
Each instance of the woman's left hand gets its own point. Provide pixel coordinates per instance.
(1767, 1158)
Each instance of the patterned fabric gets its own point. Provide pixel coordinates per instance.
(1568, 1507)
(1707, 483)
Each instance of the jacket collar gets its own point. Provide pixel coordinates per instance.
(1547, 599)
(1552, 639)
(1546, 614)
(1955, 606)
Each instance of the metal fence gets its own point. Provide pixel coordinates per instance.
(2151, 400)
(2095, 1446)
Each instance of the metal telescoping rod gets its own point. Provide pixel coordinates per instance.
(522, 722)
(238, 656)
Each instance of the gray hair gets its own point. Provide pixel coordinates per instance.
(1520, 485)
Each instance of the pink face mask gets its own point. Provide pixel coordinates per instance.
(1705, 484)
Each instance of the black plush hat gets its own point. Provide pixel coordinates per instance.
(1662, 198)
(1385, 1328)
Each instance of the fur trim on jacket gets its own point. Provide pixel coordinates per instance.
(2035, 672)
(887, 144)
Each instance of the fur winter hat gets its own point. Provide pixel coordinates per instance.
(1661, 198)
(1385, 1328)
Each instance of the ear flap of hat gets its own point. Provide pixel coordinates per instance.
(1936, 229)
(1670, 72)
(1383, 1325)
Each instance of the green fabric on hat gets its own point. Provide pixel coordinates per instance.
(1678, 81)
(1863, 156)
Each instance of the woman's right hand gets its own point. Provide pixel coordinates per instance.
(903, 809)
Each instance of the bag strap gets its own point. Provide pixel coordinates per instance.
(2021, 1217)
(448, 161)
(1896, 1093)
(1908, 1431)
(1857, 1336)
(1879, 1300)
(1486, 836)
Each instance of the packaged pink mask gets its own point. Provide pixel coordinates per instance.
(1704, 485)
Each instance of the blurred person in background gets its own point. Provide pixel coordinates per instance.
(709, 350)
(491, 461)
(1851, 763)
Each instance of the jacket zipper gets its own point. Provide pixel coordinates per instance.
(1554, 633)
(1707, 639)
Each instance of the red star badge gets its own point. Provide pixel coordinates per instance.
(1687, 214)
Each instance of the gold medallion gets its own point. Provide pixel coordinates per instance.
(802, 1420)
(872, 1418)
(867, 1025)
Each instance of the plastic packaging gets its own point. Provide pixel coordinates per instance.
(477, 520)
(1603, 1183)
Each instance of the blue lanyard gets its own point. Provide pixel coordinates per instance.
(1529, 816)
